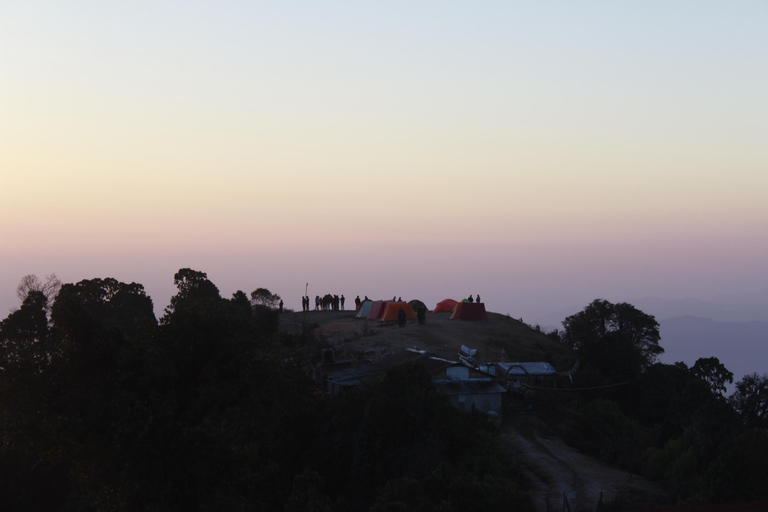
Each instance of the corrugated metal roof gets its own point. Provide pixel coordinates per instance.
(435, 365)
(522, 369)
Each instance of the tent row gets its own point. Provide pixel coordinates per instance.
(386, 310)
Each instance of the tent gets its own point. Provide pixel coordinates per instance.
(365, 309)
(416, 304)
(446, 306)
(377, 309)
(473, 311)
(392, 310)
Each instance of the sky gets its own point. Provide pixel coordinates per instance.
(540, 154)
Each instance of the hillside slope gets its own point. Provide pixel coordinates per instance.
(440, 336)
(552, 468)
(556, 470)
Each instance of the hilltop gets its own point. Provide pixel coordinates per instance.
(551, 467)
(439, 335)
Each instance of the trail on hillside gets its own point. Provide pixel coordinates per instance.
(556, 470)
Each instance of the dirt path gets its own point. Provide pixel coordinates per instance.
(557, 470)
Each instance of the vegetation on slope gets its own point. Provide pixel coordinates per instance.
(501, 336)
(105, 407)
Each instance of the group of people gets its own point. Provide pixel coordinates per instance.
(336, 303)
(327, 302)
(359, 301)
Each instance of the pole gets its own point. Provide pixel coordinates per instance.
(304, 311)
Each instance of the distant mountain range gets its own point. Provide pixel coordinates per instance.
(722, 308)
(741, 346)
(733, 328)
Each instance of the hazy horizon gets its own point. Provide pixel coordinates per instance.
(541, 156)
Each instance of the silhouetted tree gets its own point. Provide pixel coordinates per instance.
(79, 404)
(191, 284)
(104, 329)
(713, 372)
(618, 340)
(740, 472)
(24, 336)
(668, 395)
(399, 445)
(234, 411)
(30, 481)
(751, 399)
(31, 283)
(263, 297)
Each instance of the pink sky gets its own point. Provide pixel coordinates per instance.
(541, 156)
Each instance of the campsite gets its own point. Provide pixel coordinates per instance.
(439, 335)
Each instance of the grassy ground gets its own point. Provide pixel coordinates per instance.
(440, 336)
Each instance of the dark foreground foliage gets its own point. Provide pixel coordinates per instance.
(666, 421)
(103, 407)
(406, 446)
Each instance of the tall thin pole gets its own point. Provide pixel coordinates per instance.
(304, 310)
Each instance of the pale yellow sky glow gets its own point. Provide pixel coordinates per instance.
(545, 145)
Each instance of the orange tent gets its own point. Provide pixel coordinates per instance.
(446, 306)
(377, 309)
(393, 308)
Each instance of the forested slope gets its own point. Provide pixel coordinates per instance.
(211, 407)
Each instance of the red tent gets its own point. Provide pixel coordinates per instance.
(377, 310)
(474, 311)
(446, 305)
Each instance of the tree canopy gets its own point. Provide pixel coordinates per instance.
(102, 407)
(263, 297)
(751, 399)
(617, 340)
(31, 283)
(713, 372)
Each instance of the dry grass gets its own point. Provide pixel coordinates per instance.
(440, 335)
